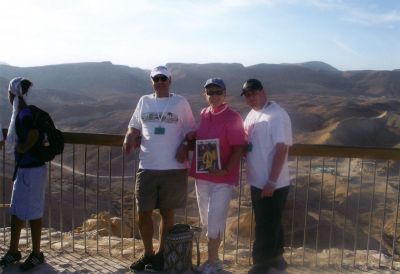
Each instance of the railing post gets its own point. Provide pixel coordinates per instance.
(294, 209)
(4, 192)
(73, 198)
(84, 198)
(61, 200)
(109, 200)
(239, 208)
(97, 199)
(396, 218)
(122, 203)
(50, 204)
(333, 211)
(306, 211)
(319, 211)
(384, 212)
(345, 211)
(358, 208)
(371, 213)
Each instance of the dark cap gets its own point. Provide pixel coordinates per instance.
(215, 81)
(251, 85)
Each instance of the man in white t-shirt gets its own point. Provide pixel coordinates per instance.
(159, 126)
(269, 132)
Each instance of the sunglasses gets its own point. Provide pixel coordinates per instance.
(249, 93)
(215, 92)
(161, 78)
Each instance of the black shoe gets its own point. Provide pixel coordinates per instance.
(140, 264)
(279, 263)
(10, 258)
(260, 268)
(32, 261)
(157, 263)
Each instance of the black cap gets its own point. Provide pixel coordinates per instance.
(251, 85)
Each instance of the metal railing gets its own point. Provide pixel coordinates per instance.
(342, 209)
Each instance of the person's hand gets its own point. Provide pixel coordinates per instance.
(218, 172)
(126, 147)
(268, 191)
(130, 142)
(181, 153)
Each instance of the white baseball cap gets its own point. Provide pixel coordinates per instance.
(160, 70)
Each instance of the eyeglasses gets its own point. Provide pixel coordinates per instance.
(250, 93)
(215, 92)
(161, 78)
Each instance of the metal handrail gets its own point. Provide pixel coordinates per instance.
(294, 150)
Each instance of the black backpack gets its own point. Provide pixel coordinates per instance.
(53, 143)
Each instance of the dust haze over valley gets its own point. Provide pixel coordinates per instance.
(326, 105)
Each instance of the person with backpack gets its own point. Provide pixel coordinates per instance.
(27, 200)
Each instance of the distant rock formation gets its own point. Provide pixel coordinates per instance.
(327, 106)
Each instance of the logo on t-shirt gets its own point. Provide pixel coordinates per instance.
(168, 117)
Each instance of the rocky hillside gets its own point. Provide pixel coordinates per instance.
(327, 106)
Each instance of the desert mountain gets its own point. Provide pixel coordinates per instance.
(326, 105)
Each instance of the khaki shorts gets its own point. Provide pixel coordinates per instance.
(161, 189)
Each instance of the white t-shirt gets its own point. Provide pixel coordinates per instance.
(163, 123)
(265, 128)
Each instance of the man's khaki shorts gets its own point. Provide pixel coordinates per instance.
(161, 189)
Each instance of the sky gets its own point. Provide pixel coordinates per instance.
(347, 34)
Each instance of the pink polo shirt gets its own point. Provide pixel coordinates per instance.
(227, 126)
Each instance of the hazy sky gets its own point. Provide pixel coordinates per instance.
(353, 34)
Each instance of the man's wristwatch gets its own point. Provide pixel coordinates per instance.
(185, 143)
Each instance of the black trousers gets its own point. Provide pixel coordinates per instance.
(269, 237)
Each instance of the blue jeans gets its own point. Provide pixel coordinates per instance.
(269, 236)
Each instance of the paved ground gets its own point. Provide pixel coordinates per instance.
(79, 262)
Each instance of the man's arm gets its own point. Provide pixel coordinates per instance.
(33, 136)
(277, 165)
(132, 140)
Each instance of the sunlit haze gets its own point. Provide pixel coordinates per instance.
(349, 35)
